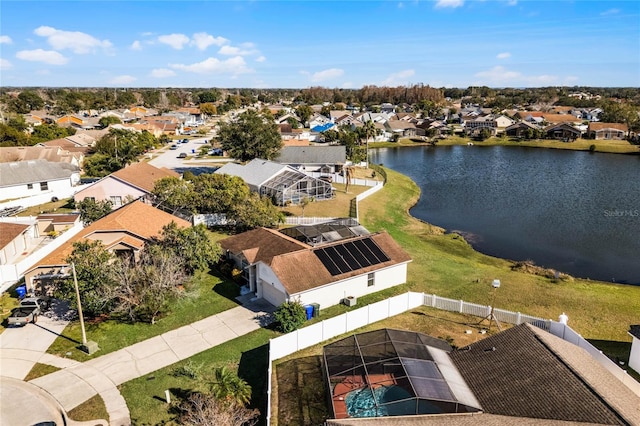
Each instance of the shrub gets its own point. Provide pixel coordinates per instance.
(290, 316)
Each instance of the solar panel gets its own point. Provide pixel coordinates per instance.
(350, 256)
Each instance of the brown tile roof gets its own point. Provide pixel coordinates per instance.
(527, 372)
(59, 218)
(561, 118)
(261, 245)
(9, 231)
(139, 220)
(525, 114)
(143, 175)
(595, 126)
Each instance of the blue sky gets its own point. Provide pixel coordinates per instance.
(298, 44)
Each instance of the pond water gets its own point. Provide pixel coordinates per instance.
(576, 212)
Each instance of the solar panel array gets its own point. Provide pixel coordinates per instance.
(351, 256)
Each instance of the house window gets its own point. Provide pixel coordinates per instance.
(29, 186)
(371, 279)
(116, 200)
(44, 186)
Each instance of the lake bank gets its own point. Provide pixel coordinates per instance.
(445, 264)
(606, 146)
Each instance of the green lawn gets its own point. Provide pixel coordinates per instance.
(210, 296)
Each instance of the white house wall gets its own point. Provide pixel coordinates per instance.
(269, 286)
(20, 191)
(333, 293)
(634, 357)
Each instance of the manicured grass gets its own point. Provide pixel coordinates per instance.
(448, 266)
(248, 355)
(8, 301)
(40, 370)
(91, 409)
(209, 296)
(61, 206)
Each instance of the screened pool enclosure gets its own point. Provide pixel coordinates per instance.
(292, 186)
(394, 373)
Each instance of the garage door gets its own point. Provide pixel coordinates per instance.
(272, 295)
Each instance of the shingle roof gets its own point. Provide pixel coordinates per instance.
(634, 330)
(141, 221)
(595, 126)
(261, 244)
(526, 372)
(33, 171)
(143, 175)
(9, 231)
(313, 155)
(59, 218)
(475, 419)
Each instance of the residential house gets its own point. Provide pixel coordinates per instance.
(502, 122)
(123, 232)
(473, 127)
(318, 120)
(280, 268)
(76, 121)
(599, 130)
(535, 117)
(127, 184)
(561, 118)
(324, 159)
(562, 131)
(15, 238)
(283, 184)
(387, 108)
(52, 154)
(521, 376)
(403, 128)
(634, 356)
(521, 129)
(54, 223)
(35, 177)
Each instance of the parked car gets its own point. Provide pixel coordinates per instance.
(215, 151)
(173, 147)
(182, 155)
(185, 140)
(28, 311)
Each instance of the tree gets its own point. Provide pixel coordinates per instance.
(251, 136)
(290, 316)
(108, 120)
(92, 210)
(193, 245)
(228, 386)
(174, 193)
(256, 211)
(206, 410)
(95, 278)
(209, 96)
(208, 108)
(304, 203)
(304, 112)
(219, 193)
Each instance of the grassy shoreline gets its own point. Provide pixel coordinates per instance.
(603, 146)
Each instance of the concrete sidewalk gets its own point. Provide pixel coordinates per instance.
(77, 383)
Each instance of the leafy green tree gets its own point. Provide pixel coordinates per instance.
(208, 96)
(48, 132)
(256, 211)
(251, 136)
(219, 193)
(304, 112)
(95, 279)
(10, 136)
(27, 101)
(108, 120)
(208, 108)
(484, 134)
(174, 193)
(290, 316)
(92, 210)
(125, 99)
(228, 386)
(193, 245)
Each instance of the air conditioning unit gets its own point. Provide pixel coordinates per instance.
(350, 301)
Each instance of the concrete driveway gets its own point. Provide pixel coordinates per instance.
(168, 158)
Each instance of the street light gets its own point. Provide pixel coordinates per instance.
(88, 347)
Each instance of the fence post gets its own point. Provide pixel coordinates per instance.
(518, 318)
(461, 305)
(433, 300)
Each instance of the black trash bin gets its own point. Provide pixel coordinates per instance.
(316, 309)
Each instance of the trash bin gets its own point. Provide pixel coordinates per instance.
(309, 310)
(22, 291)
(316, 309)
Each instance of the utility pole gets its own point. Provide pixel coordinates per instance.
(88, 347)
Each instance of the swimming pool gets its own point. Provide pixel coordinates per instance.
(362, 402)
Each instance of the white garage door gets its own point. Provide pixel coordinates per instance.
(272, 295)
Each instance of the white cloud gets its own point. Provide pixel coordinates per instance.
(261, 59)
(5, 65)
(500, 76)
(38, 55)
(441, 4)
(610, 12)
(512, 2)
(327, 74)
(204, 40)
(398, 79)
(177, 41)
(76, 41)
(244, 50)
(136, 45)
(162, 73)
(233, 66)
(400, 5)
(5, 40)
(503, 55)
(122, 80)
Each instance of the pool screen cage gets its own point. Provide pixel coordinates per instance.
(389, 373)
(292, 186)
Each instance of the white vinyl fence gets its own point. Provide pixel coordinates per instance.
(332, 327)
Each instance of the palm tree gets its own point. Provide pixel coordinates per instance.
(229, 386)
(369, 129)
